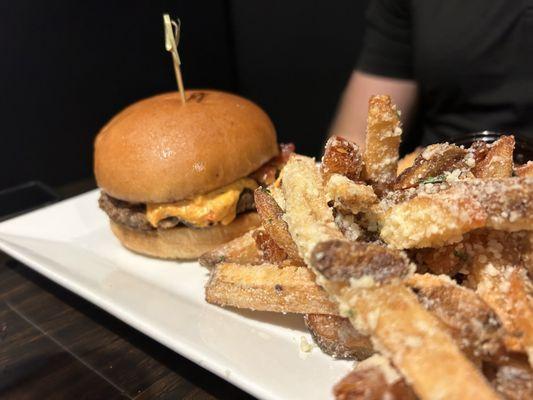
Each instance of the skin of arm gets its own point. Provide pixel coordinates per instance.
(350, 121)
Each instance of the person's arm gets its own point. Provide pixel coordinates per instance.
(385, 66)
(350, 121)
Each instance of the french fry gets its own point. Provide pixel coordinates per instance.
(272, 221)
(399, 326)
(386, 311)
(479, 150)
(350, 196)
(447, 260)
(498, 161)
(349, 225)
(383, 136)
(524, 170)
(500, 278)
(439, 216)
(513, 380)
(507, 202)
(527, 254)
(373, 379)
(353, 203)
(432, 163)
(341, 157)
(408, 160)
(470, 321)
(277, 193)
(337, 337)
(415, 341)
(431, 221)
(308, 217)
(340, 261)
(241, 250)
(472, 324)
(268, 248)
(334, 239)
(268, 287)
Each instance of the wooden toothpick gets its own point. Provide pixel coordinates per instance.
(172, 38)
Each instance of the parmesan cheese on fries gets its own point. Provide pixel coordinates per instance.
(359, 248)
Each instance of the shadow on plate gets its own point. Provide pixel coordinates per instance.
(288, 320)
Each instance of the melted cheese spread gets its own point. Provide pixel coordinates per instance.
(217, 206)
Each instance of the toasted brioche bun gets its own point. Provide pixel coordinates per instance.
(183, 242)
(160, 150)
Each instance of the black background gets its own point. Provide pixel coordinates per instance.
(66, 67)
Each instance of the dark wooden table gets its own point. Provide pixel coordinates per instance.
(55, 345)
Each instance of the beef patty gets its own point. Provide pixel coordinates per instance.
(133, 215)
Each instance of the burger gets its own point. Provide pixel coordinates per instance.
(177, 179)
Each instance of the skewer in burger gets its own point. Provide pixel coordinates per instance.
(177, 179)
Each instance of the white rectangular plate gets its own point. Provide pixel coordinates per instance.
(70, 242)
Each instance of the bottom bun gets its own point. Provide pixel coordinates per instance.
(183, 242)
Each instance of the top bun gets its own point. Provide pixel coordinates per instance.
(160, 150)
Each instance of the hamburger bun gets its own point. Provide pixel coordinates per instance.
(183, 242)
(160, 150)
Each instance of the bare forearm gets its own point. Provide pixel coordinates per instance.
(350, 121)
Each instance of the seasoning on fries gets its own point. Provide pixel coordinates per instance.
(424, 265)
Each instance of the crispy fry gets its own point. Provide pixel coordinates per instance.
(272, 221)
(527, 254)
(387, 313)
(433, 162)
(431, 221)
(383, 137)
(373, 379)
(415, 341)
(498, 161)
(499, 275)
(514, 380)
(455, 211)
(524, 169)
(268, 287)
(341, 157)
(447, 260)
(337, 337)
(348, 225)
(342, 261)
(268, 248)
(241, 250)
(441, 214)
(471, 322)
(353, 204)
(423, 351)
(348, 195)
(309, 219)
(507, 202)
(466, 317)
(408, 160)
(454, 258)
(479, 150)
(277, 193)
(367, 304)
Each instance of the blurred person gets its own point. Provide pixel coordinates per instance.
(459, 66)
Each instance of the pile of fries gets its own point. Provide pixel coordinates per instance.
(423, 276)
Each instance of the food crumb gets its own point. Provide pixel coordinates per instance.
(305, 346)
